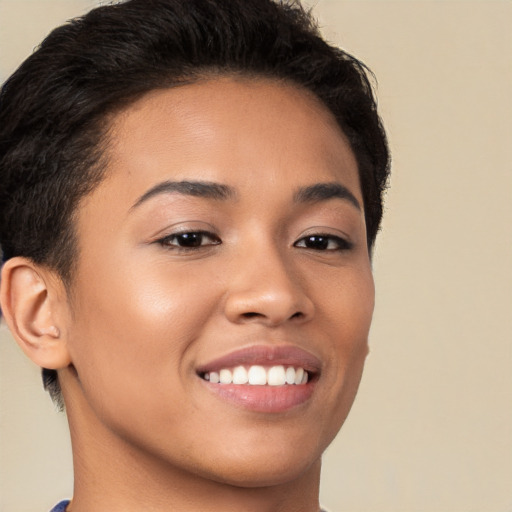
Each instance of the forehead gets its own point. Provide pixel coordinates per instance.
(253, 135)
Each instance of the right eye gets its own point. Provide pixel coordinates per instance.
(323, 242)
(189, 240)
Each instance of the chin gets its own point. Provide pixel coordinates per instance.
(265, 460)
(265, 473)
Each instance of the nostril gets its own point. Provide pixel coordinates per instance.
(251, 314)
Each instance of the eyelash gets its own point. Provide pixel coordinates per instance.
(193, 236)
(324, 240)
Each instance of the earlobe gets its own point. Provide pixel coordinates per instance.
(32, 300)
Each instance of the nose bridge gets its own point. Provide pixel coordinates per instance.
(266, 287)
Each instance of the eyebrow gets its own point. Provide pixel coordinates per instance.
(217, 191)
(324, 192)
(205, 189)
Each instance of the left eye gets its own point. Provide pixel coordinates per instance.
(323, 243)
(190, 240)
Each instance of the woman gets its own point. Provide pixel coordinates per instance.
(190, 195)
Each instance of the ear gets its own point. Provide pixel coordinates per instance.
(34, 303)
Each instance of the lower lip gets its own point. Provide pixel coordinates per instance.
(268, 399)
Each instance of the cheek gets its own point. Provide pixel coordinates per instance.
(350, 311)
(134, 331)
(349, 304)
(354, 326)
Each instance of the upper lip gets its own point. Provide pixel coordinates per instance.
(265, 355)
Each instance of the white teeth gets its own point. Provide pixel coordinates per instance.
(290, 375)
(258, 375)
(276, 376)
(299, 373)
(225, 377)
(240, 375)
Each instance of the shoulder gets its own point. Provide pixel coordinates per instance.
(60, 507)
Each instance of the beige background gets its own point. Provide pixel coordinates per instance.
(431, 429)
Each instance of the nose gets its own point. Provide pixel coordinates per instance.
(265, 288)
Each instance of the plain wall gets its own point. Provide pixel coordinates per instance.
(431, 429)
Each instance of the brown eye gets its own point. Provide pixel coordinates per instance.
(323, 243)
(190, 240)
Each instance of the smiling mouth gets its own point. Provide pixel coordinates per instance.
(257, 375)
(263, 378)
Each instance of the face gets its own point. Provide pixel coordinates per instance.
(223, 292)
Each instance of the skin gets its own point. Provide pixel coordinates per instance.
(144, 313)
